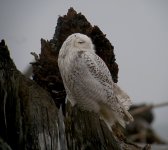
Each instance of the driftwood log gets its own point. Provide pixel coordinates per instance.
(31, 115)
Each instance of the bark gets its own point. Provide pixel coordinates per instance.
(31, 113)
(4, 146)
(28, 115)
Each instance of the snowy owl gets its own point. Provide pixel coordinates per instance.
(88, 82)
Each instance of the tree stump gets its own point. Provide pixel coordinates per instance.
(31, 115)
(28, 115)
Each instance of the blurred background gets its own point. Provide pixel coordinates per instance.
(138, 30)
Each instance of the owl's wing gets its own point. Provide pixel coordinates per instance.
(92, 72)
(92, 85)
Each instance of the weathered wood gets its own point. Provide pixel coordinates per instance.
(84, 130)
(4, 146)
(28, 115)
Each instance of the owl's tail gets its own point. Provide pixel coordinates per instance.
(122, 97)
(110, 117)
(121, 114)
(125, 119)
(125, 103)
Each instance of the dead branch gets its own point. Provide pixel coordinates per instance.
(147, 108)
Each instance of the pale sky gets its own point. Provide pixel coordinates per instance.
(138, 30)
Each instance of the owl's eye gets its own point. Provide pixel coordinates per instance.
(80, 42)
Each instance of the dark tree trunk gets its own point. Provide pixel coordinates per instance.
(28, 115)
(31, 115)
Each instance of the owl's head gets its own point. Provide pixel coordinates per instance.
(80, 41)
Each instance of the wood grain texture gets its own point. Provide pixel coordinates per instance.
(28, 115)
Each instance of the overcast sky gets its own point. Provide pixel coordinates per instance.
(138, 30)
